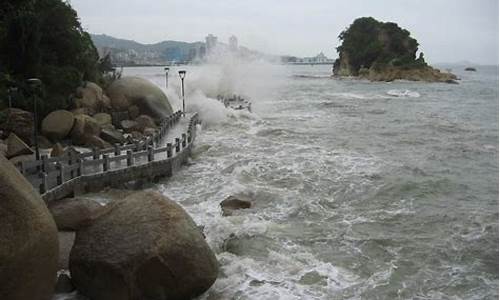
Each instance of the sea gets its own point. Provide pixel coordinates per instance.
(359, 190)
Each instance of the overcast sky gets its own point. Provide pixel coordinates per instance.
(447, 30)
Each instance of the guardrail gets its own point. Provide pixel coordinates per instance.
(49, 174)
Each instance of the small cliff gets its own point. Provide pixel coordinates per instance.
(381, 51)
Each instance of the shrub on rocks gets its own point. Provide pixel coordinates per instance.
(144, 247)
(28, 235)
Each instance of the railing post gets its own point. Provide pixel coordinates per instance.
(183, 140)
(60, 176)
(138, 146)
(177, 145)
(189, 136)
(151, 154)
(70, 162)
(79, 171)
(130, 159)
(105, 164)
(45, 164)
(169, 150)
(117, 149)
(95, 153)
(43, 184)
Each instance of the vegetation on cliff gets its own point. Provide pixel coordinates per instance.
(44, 39)
(382, 51)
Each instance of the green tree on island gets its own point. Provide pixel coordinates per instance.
(44, 39)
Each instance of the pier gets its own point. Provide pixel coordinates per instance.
(158, 155)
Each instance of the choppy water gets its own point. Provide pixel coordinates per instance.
(361, 190)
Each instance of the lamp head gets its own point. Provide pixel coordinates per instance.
(34, 82)
(167, 69)
(182, 74)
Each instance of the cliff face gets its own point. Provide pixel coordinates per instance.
(382, 52)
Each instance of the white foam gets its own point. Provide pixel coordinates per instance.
(403, 93)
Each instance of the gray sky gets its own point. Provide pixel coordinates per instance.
(447, 30)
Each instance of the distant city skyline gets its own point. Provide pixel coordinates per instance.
(448, 31)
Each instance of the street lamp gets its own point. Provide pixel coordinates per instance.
(166, 77)
(35, 85)
(182, 75)
(10, 91)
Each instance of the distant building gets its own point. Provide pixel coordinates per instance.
(233, 43)
(318, 59)
(211, 42)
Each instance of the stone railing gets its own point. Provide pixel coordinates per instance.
(58, 177)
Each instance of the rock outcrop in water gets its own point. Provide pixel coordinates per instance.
(28, 235)
(381, 51)
(143, 247)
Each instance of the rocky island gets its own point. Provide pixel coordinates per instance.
(383, 51)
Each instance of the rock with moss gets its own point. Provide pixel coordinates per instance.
(383, 51)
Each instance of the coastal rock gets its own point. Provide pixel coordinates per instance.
(231, 203)
(84, 127)
(144, 247)
(91, 98)
(143, 122)
(63, 284)
(133, 112)
(426, 73)
(16, 147)
(3, 148)
(129, 126)
(29, 247)
(470, 69)
(19, 122)
(44, 142)
(149, 131)
(57, 150)
(73, 213)
(58, 124)
(95, 142)
(136, 135)
(112, 135)
(102, 119)
(142, 93)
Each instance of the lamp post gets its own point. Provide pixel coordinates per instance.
(10, 91)
(182, 75)
(35, 85)
(166, 77)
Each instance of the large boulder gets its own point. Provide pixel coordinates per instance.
(103, 119)
(16, 147)
(129, 126)
(84, 127)
(143, 122)
(91, 98)
(144, 247)
(57, 150)
(18, 121)
(148, 97)
(58, 124)
(232, 203)
(94, 141)
(73, 213)
(28, 235)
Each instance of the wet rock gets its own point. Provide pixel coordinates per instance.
(133, 112)
(57, 150)
(149, 131)
(103, 119)
(136, 135)
(148, 97)
(63, 284)
(19, 122)
(28, 235)
(144, 247)
(231, 203)
(16, 147)
(95, 142)
(112, 135)
(91, 98)
(73, 213)
(470, 69)
(254, 246)
(84, 127)
(44, 142)
(58, 124)
(129, 125)
(143, 122)
(3, 148)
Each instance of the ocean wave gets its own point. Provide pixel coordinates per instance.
(403, 93)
